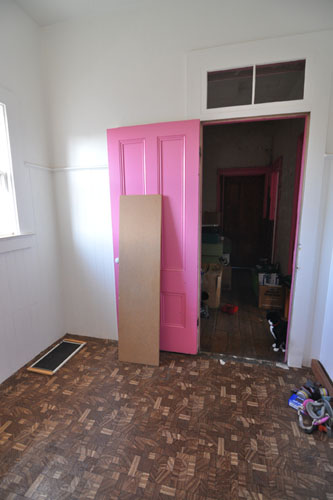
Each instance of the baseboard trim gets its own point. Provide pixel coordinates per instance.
(321, 375)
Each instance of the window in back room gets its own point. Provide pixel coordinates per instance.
(8, 210)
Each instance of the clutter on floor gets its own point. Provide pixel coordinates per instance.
(211, 283)
(215, 262)
(229, 309)
(245, 333)
(271, 288)
(314, 408)
(271, 292)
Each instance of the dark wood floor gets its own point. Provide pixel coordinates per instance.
(189, 429)
(244, 334)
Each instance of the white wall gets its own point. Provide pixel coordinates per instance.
(129, 67)
(323, 320)
(84, 216)
(329, 139)
(30, 301)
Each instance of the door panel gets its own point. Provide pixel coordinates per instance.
(163, 159)
(132, 167)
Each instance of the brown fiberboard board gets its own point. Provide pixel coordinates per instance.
(139, 278)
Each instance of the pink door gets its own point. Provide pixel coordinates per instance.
(163, 158)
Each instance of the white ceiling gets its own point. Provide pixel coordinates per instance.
(46, 12)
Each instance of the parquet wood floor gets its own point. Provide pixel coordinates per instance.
(188, 429)
(245, 334)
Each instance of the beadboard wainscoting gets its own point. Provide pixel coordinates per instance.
(30, 294)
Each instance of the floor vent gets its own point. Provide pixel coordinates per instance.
(56, 357)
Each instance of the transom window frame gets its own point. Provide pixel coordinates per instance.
(253, 106)
(254, 67)
(311, 47)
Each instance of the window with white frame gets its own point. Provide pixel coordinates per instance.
(256, 84)
(8, 210)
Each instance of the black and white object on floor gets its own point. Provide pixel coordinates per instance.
(278, 328)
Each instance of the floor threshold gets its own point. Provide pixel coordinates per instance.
(242, 359)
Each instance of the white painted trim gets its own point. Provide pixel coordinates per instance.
(53, 170)
(92, 167)
(37, 166)
(16, 242)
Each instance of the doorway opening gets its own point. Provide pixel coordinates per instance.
(252, 176)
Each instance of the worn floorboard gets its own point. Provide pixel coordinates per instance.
(245, 333)
(189, 429)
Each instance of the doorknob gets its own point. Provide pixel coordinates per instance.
(116, 260)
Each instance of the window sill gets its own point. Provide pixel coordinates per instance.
(16, 242)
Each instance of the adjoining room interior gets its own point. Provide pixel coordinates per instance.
(251, 180)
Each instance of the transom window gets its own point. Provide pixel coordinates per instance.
(8, 211)
(256, 84)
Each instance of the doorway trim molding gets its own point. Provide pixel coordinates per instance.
(315, 49)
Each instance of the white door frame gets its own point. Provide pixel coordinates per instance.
(304, 341)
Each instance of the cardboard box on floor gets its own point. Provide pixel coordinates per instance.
(211, 283)
(271, 296)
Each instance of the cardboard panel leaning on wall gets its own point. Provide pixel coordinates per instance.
(139, 278)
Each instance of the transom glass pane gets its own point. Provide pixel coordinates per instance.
(232, 87)
(279, 82)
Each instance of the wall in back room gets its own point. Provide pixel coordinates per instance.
(285, 137)
(255, 144)
(30, 295)
(236, 145)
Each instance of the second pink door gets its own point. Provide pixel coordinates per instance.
(163, 158)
